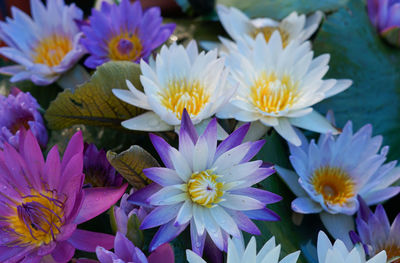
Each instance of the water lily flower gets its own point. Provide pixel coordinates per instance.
(97, 169)
(19, 110)
(385, 16)
(332, 172)
(241, 28)
(42, 202)
(125, 251)
(338, 253)
(44, 47)
(206, 187)
(238, 253)
(123, 32)
(376, 233)
(180, 78)
(278, 87)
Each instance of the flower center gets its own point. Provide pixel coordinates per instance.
(38, 218)
(204, 189)
(51, 50)
(19, 123)
(272, 94)
(334, 184)
(182, 94)
(267, 32)
(126, 46)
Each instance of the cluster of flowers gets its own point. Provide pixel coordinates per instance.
(265, 75)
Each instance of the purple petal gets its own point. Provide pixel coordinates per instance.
(88, 241)
(263, 196)
(165, 234)
(244, 223)
(52, 168)
(75, 146)
(63, 252)
(97, 200)
(232, 141)
(163, 149)
(254, 149)
(163, 253)
(163, 176)
(160, 215)
(141, 196)
(197, 240)
(262, 214)
(123, 247)
(304, 205)
(188, 127)
(33, 156)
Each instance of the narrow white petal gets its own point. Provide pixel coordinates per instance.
(148, 121)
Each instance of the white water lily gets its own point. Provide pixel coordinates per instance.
(179, 78)
(338, 253)
(242, 28)
(238, 253)
(278, 86)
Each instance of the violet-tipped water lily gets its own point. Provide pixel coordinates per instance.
(206, 186)
(278, 86)
(42, 202)
(376, 233)
(44, 47)
(240, 27)
(123, 32)
(180, 78)
(125, 251)
(238, 253)
(385, 16)
(338, 253)
(18, 111)
(330, 173)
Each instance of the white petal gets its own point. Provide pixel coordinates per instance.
(304, 205)
(241, 203)
(286, 130)
(181, 166)
(314, 122)
(193, 257)
(148, 121)
(291, 179)
(323, 245)
(185, 213)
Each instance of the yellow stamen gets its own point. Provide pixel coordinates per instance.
(204, 189)
(392, 250)
(182, 94)
(51, 50)
(126, 46)
(267, 32)
(272, 94)
(334, 184)
(37, 219)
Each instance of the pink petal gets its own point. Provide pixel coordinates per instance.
(163, 253)
(63, 252)
(88, 241)
(97, 200)
(74, 147)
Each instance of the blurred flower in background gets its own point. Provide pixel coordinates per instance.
(19, 110)
(123, 32)
(385, 16)
(44, 47)
(98, 170)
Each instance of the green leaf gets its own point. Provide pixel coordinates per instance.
(278, 9)
(130, 165)
(93, 103)
(359, 54)
(134, 233)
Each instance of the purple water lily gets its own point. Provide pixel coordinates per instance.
(42, 202)
(123, 32)
(18, 111)
(376, 233)
(206, 186)
(97, 169)
(385, 16)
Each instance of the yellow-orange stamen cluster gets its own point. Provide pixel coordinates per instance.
(334, 184)
(52, 50)
(181, 94)
(204, 189)
(272, 94)
(131, 54)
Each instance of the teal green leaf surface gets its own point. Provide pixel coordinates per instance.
(359, 54)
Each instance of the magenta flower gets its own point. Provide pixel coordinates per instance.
(385, 16)
(42, 202)
(125, 251)
(123, 32)
(97, 169)
(376, 233)
(18, 111)
(207, 187)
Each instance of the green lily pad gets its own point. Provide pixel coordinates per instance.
(359, 54)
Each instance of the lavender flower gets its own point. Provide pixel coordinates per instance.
(44, 47)
(42, 202)
(97, 169)
(125, 251)
(18, 111)
(206, 187)
(376, 233)
(123, 32)
(385, 16)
